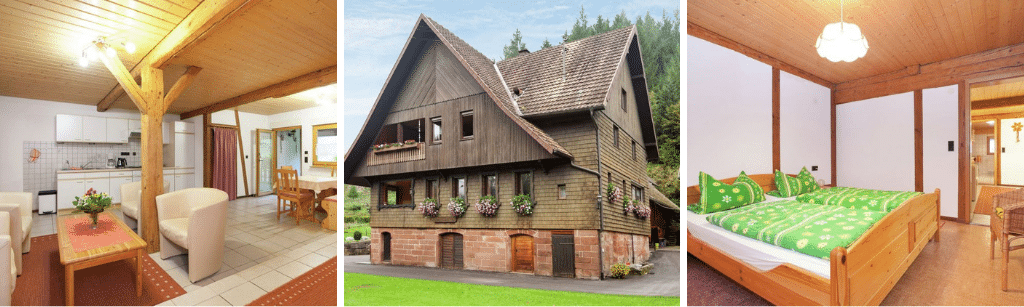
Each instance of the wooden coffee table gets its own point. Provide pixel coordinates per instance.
(133, 248)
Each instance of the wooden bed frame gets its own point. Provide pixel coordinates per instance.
(862, 274)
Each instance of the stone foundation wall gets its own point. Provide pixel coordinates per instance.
(490, 249)
(357, 248)
(624, 247)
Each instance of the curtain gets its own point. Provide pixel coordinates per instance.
(225, 159)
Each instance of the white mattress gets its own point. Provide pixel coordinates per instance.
(760, 255)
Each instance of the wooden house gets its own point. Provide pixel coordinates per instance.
(558, 125)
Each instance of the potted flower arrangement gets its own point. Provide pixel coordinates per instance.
(620, 270)
(628, 205)
(614, 192)
(429, 207)
(410, 142)
(642, 212)
(380, 146)
(92, 203)
(488, 206)
(457, 206)
(523, 204)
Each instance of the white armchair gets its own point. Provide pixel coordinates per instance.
(7, 282)
(192, 221)
(19, 206)
(131, 196)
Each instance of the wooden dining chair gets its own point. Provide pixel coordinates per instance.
(288, 191)
(274, 185)
(1007, 225)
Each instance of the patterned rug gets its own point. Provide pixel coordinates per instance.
(707, 287)
(984, 205)
(112, 284)
(318, 287)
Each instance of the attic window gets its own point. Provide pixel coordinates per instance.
(623, 100)
(412, 130)
(467, 125)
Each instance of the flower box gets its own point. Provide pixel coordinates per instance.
(398, 148)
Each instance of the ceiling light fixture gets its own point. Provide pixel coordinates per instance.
(100, 46)
(841, 41)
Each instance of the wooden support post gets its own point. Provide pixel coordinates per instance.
(152, 156)
(918, 141)
(241, 153)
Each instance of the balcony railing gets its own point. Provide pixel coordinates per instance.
(402, 153)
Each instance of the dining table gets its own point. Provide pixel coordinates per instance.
(322, 187)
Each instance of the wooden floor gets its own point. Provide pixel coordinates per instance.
(957, 271)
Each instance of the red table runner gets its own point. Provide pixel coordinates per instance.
(84, 238)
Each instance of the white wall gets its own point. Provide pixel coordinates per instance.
(35, 120)
(805, 126)
(940, 124)
(250, 122)
(307, 118)
(729, 112)
(1011, 162)
(875, 143)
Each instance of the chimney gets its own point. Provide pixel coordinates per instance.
(524, 51)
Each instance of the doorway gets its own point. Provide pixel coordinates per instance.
(265, 162)
(451, 251)
(522, 253)
(386, 251)
(288, 148)
(996, 117)
(563, 253)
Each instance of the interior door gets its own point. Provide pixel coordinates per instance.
(265, 162)
(522, 254)
(451, 251)
(562, 255)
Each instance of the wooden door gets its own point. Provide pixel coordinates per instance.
(522, 254)
(563, 255)
(386, 252)
(451, 251)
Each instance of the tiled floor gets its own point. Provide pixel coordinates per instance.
(260, 254)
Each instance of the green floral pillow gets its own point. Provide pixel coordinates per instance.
(754, 187)
(717, 196)
(787, 186)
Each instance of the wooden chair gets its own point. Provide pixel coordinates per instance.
(1007, 224)
(288, 190)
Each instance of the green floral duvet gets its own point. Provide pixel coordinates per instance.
(856, 198)
(806, 228)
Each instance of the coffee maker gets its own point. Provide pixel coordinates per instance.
(122, 162)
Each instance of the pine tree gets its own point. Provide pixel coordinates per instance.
(516, 44)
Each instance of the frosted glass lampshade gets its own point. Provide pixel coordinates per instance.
(841, 41)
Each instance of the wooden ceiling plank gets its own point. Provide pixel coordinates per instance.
(111, 11)
(700, 32)
(50, 10)
(304, 82)
(179, 86)
(202, 19)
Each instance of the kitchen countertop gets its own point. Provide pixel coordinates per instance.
(124, 169)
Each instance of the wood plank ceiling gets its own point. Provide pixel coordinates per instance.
(900, 33)
(265, 42)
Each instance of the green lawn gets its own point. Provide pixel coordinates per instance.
(373, 290)
(362, 200)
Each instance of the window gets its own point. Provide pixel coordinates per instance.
(524, 183)
(436, 121)
(623, 100)
(638, 194)
(459, 187)
(991, 145)
(432, 188)
(489, 186)
(615, 133)
(412, 130)
(634, 150)
(467, 125)
(398, 192)
(561, 191)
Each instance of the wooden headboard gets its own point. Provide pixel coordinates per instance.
(766, 181)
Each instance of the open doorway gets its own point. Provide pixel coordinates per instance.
(288, 148)
(996, 154)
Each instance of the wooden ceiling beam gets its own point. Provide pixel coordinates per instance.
(124, 78)
(304, 82)
(997, 103)
(1006, 61)
(715, 38)
(183, 82)
(189, 31)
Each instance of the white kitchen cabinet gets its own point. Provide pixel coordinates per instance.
(169, 180)
(117, 130)
(134, 125)
(69, 128)
(184, 178)
(98, 181)
(116, 180)
(68, 188)
(94, 129)
(168, 129)
(184, 127)
(184, 149)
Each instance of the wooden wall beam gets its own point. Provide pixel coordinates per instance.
(997, 103)
(207, 150)
(776, 124)
(705, 34)
(241, 153)
(918, 141)
(322, 77)
(963, 156)
(996, 63)
(832, 111)
(197, 24)
(179, 86)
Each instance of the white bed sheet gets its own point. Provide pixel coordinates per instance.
(760, 255)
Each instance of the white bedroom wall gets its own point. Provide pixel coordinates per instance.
(1011, 161)
(805, 126)
(729, 112)
(939, 121)
(875, 143)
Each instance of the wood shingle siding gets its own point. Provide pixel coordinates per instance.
(621, 164)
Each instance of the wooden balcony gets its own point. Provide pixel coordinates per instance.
(410, 152)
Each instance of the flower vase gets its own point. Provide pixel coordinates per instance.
(94, 217)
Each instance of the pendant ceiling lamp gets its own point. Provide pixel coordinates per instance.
(841, 41)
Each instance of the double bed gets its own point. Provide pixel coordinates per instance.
(861, 274)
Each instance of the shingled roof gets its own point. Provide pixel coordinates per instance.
(485, 72)
(551, 82)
